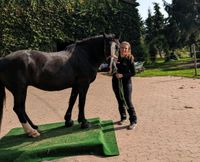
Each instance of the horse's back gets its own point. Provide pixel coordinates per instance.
(40, 69)
(12, 60)
(32, 59)
(50, 71)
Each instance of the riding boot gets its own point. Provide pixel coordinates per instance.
(122, 112)
(132, 115)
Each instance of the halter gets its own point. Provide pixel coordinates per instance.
(113, 40)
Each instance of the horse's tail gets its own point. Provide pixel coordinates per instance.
(2, 99)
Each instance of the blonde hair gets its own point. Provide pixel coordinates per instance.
(129, 49)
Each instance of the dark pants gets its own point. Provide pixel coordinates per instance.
(127, 104)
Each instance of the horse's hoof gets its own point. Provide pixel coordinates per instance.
(69, 123)
(85, 125)
(33, 134)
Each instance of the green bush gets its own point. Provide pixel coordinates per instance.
(42, 24)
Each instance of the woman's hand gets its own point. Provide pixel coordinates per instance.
(118, 75)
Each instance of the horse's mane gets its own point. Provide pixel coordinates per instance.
(88, 39)
(70, 47)
(85, 40)
(79, 42)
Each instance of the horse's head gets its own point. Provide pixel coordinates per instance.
(111, 45)
(99, 48)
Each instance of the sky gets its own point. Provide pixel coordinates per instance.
(146, 4)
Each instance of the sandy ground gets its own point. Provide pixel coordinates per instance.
(168, 112)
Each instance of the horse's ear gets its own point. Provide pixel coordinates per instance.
(118, 36)
(105, 35)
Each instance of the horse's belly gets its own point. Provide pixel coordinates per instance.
(53, 84)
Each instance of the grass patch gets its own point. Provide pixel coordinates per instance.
(57, 141)
(183, 67)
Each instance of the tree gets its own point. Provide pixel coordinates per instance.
(130, 26)
(43, 24)
(158, 20)
(186, 15)
(148, 37)
(149, 27)
(154, 33)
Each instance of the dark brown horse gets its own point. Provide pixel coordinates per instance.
(74, 67)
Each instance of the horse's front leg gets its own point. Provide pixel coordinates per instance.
(68, 121)
(82, 98)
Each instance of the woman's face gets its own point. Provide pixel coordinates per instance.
(124, 49)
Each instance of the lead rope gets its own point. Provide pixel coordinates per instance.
(113, 69)
(121, 92)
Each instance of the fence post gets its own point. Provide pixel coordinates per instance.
(195, 58)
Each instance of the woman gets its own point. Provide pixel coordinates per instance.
(122, 85)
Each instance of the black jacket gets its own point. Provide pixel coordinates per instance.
(126, 67)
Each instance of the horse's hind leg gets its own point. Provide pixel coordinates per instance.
(72, 100)
(30, 122)
(19, 108)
